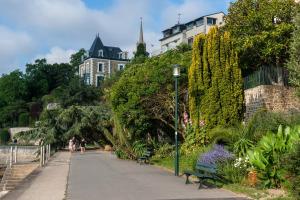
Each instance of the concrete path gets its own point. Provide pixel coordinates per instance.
(101, 176)
(47, 183)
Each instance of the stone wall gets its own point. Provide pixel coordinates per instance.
(24, 153)
(272, 97)
(14, 131)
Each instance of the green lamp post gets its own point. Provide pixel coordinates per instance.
(176, 74)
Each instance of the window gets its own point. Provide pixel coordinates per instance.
(100, 53)
(100, 67)
(190, 41)
(200, 22)
(120, 55)
(99, 80)
(121, 67)
(176, 29)
(167, 33)
(211, 21)
(87, 67)
(189, 26)
(86, 78)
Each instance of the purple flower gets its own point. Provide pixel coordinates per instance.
(217, 154)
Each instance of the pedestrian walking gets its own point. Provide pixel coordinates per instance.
(82, 145)
(71, 145)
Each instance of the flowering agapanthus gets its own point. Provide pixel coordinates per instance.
(217, 154)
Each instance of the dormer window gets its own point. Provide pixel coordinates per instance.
(100, 53)
(189, 26)
(176, 29)
(200, 22)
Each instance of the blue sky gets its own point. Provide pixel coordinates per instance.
(54, 29)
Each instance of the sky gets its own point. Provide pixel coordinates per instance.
(55, 29)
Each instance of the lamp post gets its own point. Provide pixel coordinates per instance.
(176, 74)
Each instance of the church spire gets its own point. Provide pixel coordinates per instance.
(141, 37)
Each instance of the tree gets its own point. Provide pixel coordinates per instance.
(294, 63)
(215, 82)
(76, 59)
(42, 77)
(261, 31)
(13, 93)
(142, 99)
(56, 127)
(140, 55)
(74, 93)
(141, 51)
(12, 87)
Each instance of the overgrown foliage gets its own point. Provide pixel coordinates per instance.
(215, 81)
(261, 31)
(142, 99)
(294, 63)
(292, 165)
(56, 127)
(4, 136)
(267, 155)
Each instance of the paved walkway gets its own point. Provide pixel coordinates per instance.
(99, 175)
(47, 183)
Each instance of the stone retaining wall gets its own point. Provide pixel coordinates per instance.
(24, 153)
(271, 97)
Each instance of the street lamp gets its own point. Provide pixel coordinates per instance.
(176, 74)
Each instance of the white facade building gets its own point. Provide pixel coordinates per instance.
(185, 33)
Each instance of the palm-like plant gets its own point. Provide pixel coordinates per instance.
(266, 157)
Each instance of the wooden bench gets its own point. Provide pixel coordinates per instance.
(203, 171)
(145, 158)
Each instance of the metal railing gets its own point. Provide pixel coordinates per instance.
(267, 75)
(10, 155)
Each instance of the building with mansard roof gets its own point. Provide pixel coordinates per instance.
(101, 61)
(185, 32)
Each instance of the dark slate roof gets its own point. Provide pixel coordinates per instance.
(108, 52)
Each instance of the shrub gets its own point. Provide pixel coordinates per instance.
(138, 148)
(225, 136)
(121, 154)
(292, 165)
(166, 150)
(4, 136)
(217, 155)
(266, 157)
(232, 172)
(263, 122)
(23, 119)
(241, 146)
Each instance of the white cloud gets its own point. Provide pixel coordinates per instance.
(71, 24)
(57, 55)
(13, 46)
